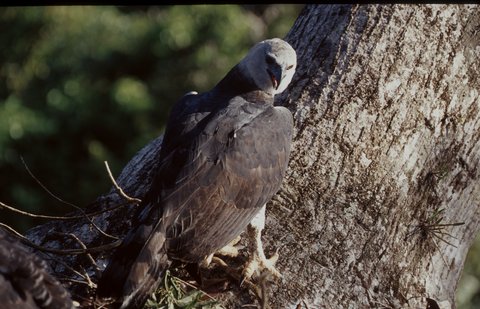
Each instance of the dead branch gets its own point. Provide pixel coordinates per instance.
(85, 276)
(45, 188)
(65, 202)
(83, 246)
(32, 215)
(29, 214)
(28, 242)
(133, 200)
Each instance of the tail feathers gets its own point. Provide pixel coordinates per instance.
(135, 269)
(145, 273)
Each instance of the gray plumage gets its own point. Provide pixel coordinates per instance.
(24, 280)
(223, 157)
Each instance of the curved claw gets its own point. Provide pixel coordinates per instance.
(258, 263)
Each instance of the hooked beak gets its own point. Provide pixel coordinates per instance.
(275, 76)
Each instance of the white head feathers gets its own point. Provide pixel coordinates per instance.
(271, 64)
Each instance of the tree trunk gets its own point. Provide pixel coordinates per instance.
(384, 161)
(386, 109)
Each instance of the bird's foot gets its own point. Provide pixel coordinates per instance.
(231, 250)
(258, 263)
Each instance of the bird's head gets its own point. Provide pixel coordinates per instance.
(271, 65)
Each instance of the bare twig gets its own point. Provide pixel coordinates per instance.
(45, 188)
(32, 215)
(194, 287)
(67, 279)
(81, 244)
(133, 200)
(28, 214)
(28, 242)
(84, 276)
(67, 203)
(87, 277)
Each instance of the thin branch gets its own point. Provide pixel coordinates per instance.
(45, 188)
(67, 279)
(28, 214)
(133, 200)
(65, 202)
(28, 242)
(99, 212)
(84, 276)
(87, 277)
(82, 244)
(195, 287)
(32, 215)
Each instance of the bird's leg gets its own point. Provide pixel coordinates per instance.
(231, 249)
(257, 260)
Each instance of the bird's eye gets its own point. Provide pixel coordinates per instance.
(270, 59)
(289, 67)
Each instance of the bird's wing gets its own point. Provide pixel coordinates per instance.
(218, 167)
(24, 280)
(215, 182)
(141, 257)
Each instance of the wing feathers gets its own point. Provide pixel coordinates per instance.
(24, 280)
(214, 176)
(232, 171)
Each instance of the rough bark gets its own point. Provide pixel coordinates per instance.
(386, 108)
(386, 105)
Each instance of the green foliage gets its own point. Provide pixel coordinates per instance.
(468, 290)
(175, 294)
(81, 84)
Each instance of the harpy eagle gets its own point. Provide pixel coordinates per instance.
(223, 157)
(24, 280)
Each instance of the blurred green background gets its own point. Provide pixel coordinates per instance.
(80, 85)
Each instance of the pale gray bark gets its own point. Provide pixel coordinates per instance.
(386, 108)
(386, 105)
